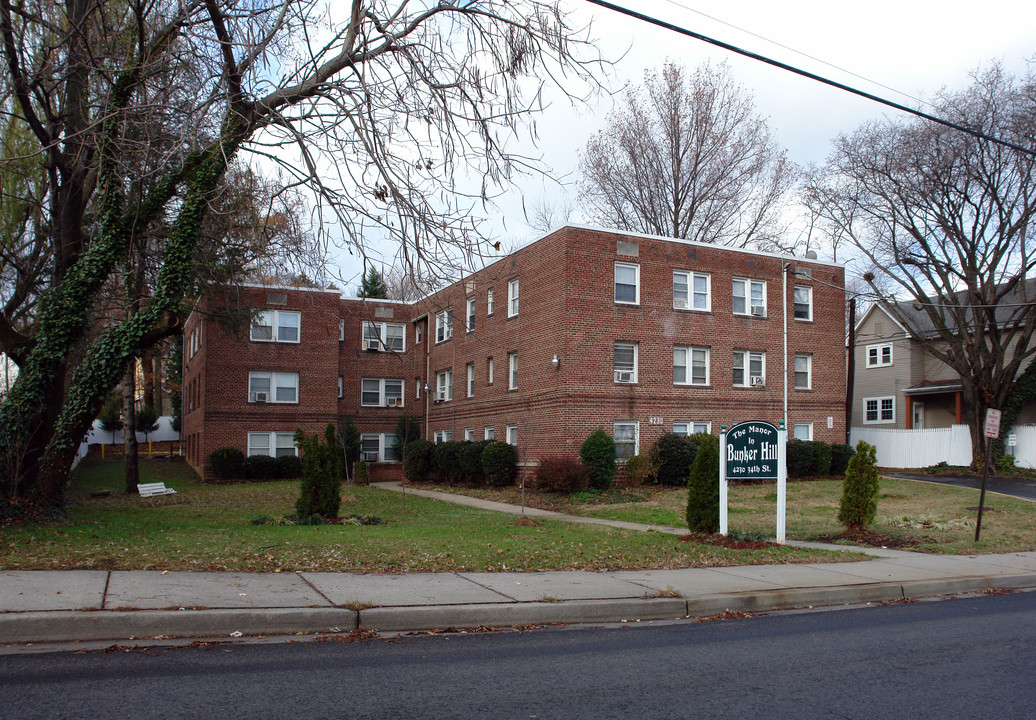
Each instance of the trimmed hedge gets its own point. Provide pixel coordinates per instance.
(500, 463)
(226, 463)
(821, 458)
(446, 460)
(598, 454)
(320, 490)
(563, 475)
(417, 460)
(703, 487)
(799, 458)
(672, 456)
(469, 462)
(840, 456)
(260, 467)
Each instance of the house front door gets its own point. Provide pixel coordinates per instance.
(918, 423)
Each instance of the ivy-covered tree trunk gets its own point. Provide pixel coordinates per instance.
(129, 437)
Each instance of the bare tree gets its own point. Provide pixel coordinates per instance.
(547, 214)
(686, 155)
(944, 218)
(127, 116)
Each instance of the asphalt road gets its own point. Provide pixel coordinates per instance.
(1023, 488)
(964, 658)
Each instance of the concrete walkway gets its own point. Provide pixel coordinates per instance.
(74, 605)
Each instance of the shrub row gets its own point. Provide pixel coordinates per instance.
(230, 464)
(487, 462)
(813, 458)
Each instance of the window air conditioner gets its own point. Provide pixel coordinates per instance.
(373, 345)
(759, 311)
(398, 402)
(259, 397)
(369, 456)
(440, 396)
(680, 304)
(758, 380)
(623, 376)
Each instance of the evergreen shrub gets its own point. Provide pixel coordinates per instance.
(799, 458)
(703, 487)
(860, 490)
(320, 491)
(598, 454)
(500, 463)
(226, 463)
(821, 458)
(840, 455)
(417, 460)
(672, 456)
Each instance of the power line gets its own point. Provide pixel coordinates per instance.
(812, 76)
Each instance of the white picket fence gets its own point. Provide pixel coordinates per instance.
(917, 448)
(1025, 446)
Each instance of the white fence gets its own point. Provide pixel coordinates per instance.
(1025, 447)
(98, 436)
(918, 448)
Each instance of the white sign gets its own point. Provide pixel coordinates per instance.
(1012, 440)
(992, 423)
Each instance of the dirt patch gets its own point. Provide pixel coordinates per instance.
(873, 539)
(525, 521)
(726, 541)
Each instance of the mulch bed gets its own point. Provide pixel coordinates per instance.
(726, 541)
(873, 539)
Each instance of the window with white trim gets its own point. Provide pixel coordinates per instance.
(803, 372)
(489, 433)
(441, 436)
(489, 371)
(273, 387)
(470, 367)
(803, 302)
(417, 333)
(749, 368)
(272, 444)
(341, 330)
(803, 430)
(690, 365)
(489, 301)
(512, 298)
(444, 386)
(379, 447)
(627, 439)
(512, 435)
(469, 434)
(470, 324)
(627, 283)
(340, 388)
(276, 326)
(691, 291)
(625, 364)
(443, 325)
(417, 388)
(384, 337)
(686, 429)
(879, 355)
(879, 410)
(749, 297)
(381, 392)
(512, 371)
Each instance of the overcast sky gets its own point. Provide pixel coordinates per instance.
(915, 47)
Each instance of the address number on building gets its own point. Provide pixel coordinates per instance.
(655, 420)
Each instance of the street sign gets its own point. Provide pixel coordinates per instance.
(751, 451)
(993, 423)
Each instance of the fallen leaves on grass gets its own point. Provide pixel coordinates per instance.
(726, 615)
(726, 541)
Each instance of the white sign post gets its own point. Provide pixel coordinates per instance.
(754, 450)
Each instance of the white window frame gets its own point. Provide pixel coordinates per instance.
(807, 427)
(691, 427)
(636, 283)
(341, 330)
(273, 319)
(469, 325)
(626, 374)
(689, 352)
(489, 432)
(274, 441)
(512, 298)
(878, 352)
(443, 325)
(693, 299)
(441, 436)
(489, 301)
(385, 442)
(276, 381)
(512, 371)
(808, 371)
(340, 387)
(747, 297)
(882, 415)
(469, 434)
(747, 356)
(489, 371)
(376, 336)
(511, 433)
(470, 367)
(635, 425)
(808, 290)
(383, 392)
(444, 386)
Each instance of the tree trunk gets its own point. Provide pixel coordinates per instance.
(129, 434)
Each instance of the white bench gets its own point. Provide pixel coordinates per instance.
(153, 490)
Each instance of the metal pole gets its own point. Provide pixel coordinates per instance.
(784, 358)
(982, 495)
(723, 527)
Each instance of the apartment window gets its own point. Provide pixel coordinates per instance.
(803, 430)
(441, 436)
(627, 438)
(469, 434)
(276, 326)
(471, 379)
(489, 433)
(625, 362)
(379, 447)
(384, 337)
(340, 386)
(690, 366)
(443, 325)
(341, 330)
(879, 410)
(749, 297)
(417, 333)
(512, 298)
(417, 388)
(803, 372)
(803, 302)
(749, 368)
(444, 385)
(272, 444)
(512, 435)
(470, 326)
(627, 283)
(381, 392)
(691, 291)
(512, 371)
(879, 355)
(686, 429)
(489, 371)
(489, 301)
(273, 387)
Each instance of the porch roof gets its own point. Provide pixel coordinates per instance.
(934, 388)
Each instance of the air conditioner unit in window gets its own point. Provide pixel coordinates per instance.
(759, 311)
(369, 456)
(440, 397)
(680, 304)
(259, 397)
(372, 345)
(623, 376)
(398, 402)
(758, 380)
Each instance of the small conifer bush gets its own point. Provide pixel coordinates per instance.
(321, 474)
(860, 489)
(598, 454)
(703, 487)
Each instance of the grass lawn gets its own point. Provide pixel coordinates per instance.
(207, 527)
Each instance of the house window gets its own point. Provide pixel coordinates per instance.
(276, 326)
(512, 371)
(749, 297)
(417, 333)
(470, 326)
(417, 388)
(512, 298)
(341, 330)
(441, 436)
(879, 355)
(803, 372)
(691, 291)
(443, 385)
(469, 434)
(803, 302)
(272, 444)
(471, 379)
(627, 438)
(512, 435)
(489, 371)
(489, 433)
(489, 301)
(443, 325)
(381, 392)
(879, 410)
(379, 447)
(627, 283)
(273, 387)
(339, 386)
(686, 429)
(690, 366)
(625, 362)
(749, 368)
(803, 431)
(383, 337)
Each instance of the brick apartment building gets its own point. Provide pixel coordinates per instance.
(584, 328)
